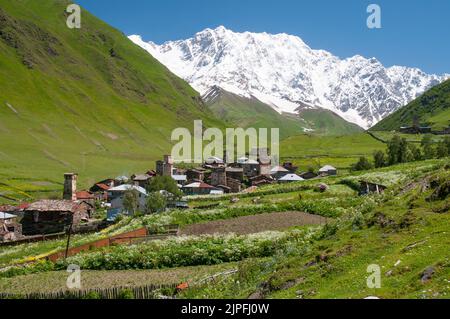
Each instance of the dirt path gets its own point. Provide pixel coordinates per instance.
(254, 224)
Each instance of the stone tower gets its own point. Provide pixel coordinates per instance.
(165, 167)
(168, 169)
(219, 176)
(70, 186)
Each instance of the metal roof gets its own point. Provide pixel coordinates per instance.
(291, 177)
(6, 216)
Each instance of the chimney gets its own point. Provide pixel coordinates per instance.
(70, 186)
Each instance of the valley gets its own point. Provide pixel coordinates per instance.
(87, 177)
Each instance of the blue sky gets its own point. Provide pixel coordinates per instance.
(414, 33)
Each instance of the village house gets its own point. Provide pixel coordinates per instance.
(261, 180)
(10, 229)
(180, 179)
(250, 167)
(289, 178)
(328, 170)
(85, 196)
(218, 176)
(234, 185)
(54, 216)
(196, 174)
(15, 210)
(278, 172)
(142, 180)
(213, 162)
(116, 197)
(236, 173)
(367, 188)
(100, 189)
(200, 188)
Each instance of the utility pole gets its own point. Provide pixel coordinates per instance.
(68, 239)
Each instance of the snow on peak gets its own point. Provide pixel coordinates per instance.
(284, 72)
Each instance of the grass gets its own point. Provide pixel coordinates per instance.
(339, 151)
(404, 233)
(411, 138)
(68, 104)
(244, 112)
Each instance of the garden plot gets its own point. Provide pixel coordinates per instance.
(57, 280)
(255, 223)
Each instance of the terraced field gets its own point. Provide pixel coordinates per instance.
(255, 224)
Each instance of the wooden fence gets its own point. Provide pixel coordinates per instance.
(138, 235)
(125, 238)
(142, 292)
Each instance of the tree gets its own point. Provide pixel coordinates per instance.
(415, 152)
(156, 203)
(166, 183)
(394, 150)
(397, 150)
(379, 158)
(130, 201)
(447, 143)
(442, 150)
(428, 147)
(362, 165)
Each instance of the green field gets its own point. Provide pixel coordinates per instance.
(339, 151)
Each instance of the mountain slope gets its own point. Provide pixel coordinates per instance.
(85, 100)
(282, 71)
(433, 108)
(245, 112)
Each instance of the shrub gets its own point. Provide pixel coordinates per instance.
(362, 165)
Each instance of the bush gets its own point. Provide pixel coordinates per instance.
(358, 221)
(156, 203)
(126, 294)
(166, 183)
(362, 165)
(328, 230)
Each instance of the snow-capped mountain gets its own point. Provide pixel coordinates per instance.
(284, 72)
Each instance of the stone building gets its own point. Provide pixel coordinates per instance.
(54, 216)
(70, 186)
(10, 229)
(196, 174)
(219, 176)
(165, 167)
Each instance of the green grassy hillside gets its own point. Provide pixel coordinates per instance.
(309, 150)
(85, 100)
(244, 112)
(432, 108)
(324, 122)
